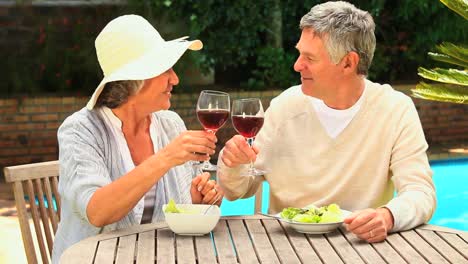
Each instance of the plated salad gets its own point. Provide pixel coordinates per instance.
(312, 214)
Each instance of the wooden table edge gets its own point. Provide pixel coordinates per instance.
(84, 244)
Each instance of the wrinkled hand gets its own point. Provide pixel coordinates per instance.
(185, 146)
(237, 152)
(370, 224)
(205, 191)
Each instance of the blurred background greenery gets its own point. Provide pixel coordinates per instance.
(249, 45)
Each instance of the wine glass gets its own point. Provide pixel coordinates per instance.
(247, 118)
(213, 110)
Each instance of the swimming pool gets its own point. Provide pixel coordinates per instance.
(451, 181)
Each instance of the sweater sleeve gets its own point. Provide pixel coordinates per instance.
(82, 166)
(416, 201)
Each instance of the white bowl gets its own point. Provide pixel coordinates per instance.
(193, 223)
(315, 228)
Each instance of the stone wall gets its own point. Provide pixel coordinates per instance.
(28, 126)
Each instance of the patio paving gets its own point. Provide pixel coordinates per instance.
(11, 244)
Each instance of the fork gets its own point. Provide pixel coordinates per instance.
(269, 215)
(207, 209)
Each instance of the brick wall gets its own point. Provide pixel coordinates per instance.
(28, 126)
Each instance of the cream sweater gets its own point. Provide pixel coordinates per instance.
(382, 149)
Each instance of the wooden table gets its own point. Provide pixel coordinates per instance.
(257, 239)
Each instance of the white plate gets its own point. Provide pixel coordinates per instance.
(315, 228)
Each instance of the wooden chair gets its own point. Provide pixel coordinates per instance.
(39, 183)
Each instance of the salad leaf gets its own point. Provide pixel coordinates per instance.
(171, 207)
(334, 208)
(290, 212)
(306, 218)
(311, 214)
(330, 217)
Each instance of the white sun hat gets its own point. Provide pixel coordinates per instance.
(130, 48)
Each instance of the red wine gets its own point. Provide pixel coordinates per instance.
(247, 126)
(212, 119)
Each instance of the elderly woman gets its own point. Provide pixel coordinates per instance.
(124, 155)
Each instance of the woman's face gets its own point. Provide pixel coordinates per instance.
(155, 94)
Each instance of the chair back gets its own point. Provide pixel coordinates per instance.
(36, 185)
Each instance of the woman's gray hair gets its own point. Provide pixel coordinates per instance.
(117, 93)
(343, 28)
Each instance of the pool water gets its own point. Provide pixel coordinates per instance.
(451, 181)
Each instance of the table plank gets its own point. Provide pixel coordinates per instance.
(106, 251)
(387, 252)
(363, 248)
(464, 236)
(261, 242)
(301, 245)
(185, 249)
(441, 246)
(404, 249)
(145, 249)
(280, 242)
(205, 249)
(240, 237)
(126, 249)
(343, 248)
(324, 249)
(81, 252)
(423, 247)
(456, 242)
(165, 246)
(223, 243)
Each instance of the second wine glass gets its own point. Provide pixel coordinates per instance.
(213, 109)
(247, 119)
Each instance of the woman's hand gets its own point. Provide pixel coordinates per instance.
(205, 191)
(190, 145)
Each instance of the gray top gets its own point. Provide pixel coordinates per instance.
(89, 159)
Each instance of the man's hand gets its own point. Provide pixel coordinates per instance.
(237, 152)
(205, 191)
(370, 224)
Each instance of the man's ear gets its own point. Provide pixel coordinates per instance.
(350, 62)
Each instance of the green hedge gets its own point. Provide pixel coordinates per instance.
(238, 42)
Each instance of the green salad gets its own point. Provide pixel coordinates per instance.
(172, 208)
(325, 214)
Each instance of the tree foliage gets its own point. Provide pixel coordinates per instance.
(237, 36)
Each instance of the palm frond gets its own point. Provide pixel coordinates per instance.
(441, 92)
(459, 6)
(447, 59)
(459, 51)
(453, 76)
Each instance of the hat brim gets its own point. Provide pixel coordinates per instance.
(149, 65)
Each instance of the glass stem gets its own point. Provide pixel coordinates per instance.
(250, 141)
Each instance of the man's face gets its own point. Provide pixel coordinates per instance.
(319, 75)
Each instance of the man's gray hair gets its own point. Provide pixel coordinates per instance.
(117, 93)
(343, 28)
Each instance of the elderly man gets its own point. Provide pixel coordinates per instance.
(338, 137)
